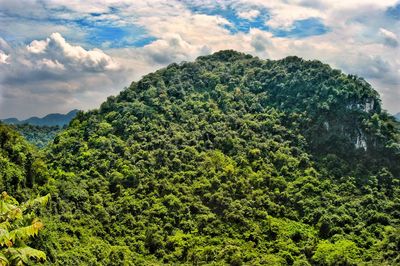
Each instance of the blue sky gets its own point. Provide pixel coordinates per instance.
(109, 36)
(64, 54)
(299, 29)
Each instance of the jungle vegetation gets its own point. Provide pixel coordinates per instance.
(227, 160)
(39, 136)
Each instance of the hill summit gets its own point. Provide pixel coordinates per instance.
(228, 160)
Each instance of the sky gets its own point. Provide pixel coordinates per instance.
(59, 55)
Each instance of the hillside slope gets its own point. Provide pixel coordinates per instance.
(39, 136)
(22, 168)
(232, 160)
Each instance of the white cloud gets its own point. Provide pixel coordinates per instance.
(54, 75)
(249, 15)
(194, 28)
(3, 57)
(283, 16)
(173, 49)
(37, 47)
(50, 64)
(75, 56)
(390, 38)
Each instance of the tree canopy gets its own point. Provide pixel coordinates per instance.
(227, 160)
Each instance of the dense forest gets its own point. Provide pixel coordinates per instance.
(39, 136)
(227, 160)
(22, 167)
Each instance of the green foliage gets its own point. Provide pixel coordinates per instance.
(342, 252)
(228, 160)
(39, 136)
(22, 167)
(17, 227)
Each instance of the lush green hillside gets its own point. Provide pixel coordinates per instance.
(228, 160)
(22, 169)
(39, 136)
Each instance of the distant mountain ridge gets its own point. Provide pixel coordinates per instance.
(55, 119)
(397, 116)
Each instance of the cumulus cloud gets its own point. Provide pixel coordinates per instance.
(37, 47)
(173, 49)
(52, 74)
(55, 46)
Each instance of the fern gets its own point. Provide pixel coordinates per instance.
(38, 201)
(27, 231)
(16, 227)
(22, 255)
(3, 260)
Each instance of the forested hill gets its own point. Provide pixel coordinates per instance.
(228, 160)
(39, 136)
(22, 168)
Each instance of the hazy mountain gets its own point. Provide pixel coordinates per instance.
(48, 120)
(397, 116)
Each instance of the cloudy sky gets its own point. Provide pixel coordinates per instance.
(64, 54)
